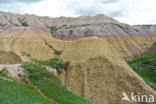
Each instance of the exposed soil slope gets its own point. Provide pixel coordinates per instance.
(96, 69)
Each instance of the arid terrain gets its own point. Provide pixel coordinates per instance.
(88, 55)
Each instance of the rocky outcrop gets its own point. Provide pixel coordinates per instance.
(12, 70)
(16, 71)
(96, 69)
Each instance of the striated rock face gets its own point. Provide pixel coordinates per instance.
(99, 25)
(104, 29)
(131, 45)
(98, 73)
(42, 22)
(96, 69)
(129, 41)
(29, 43)
(103, 81)
(146, 29)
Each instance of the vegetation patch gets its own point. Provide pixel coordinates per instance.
(70, 32)
(13, 23)
(146, 26)
(42, 87)
(24, 23)
(4, 73)
(54, 63)
(85, 24)
(118, 25)
(55, 51)
(65, 25)
(145, 66)
(52, 29)
(2, 24)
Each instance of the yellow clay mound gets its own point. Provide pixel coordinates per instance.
(98, 73)
(96, 68)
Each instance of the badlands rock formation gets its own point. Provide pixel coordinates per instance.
(99, 25)
(96, 69)
(130, 41)
(11, 20)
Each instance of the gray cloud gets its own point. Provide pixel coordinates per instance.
(95, 7)
(13, 1)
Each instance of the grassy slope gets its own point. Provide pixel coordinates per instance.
(145, 66)
(20, 93)
(51, 85)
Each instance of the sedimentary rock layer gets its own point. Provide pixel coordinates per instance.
(96, 69)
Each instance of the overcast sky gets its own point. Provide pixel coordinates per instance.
(127, 11)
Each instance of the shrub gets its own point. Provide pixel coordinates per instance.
(54, 63)
(24, 23)
(35, 72)
(52, 29)
(118, 25)
(70, 32)
(4, 72)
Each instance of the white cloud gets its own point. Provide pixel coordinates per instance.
(138, 12)
(127, 11)
(48, 8)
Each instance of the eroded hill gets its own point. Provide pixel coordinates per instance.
(96, 70)
(129, 40)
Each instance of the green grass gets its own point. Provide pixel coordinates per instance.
(50, 84)
(145, 66)
(20, 93)
(52, 29)
(23, 23)
(54, 63)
